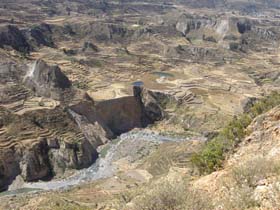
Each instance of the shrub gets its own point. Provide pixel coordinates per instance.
(210, 158)
(244, 179)
(254, 170)
(240, 198)
(173, 196)
(213, 153)
(163, 197)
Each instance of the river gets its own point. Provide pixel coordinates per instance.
(104, 166)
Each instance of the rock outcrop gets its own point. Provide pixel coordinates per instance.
(41, 144)
(102, 32)
(89, 47)
(113, 117)
(95, 131)
(34, 163)
(243, 26)
(71, 155)
(40, 35)
(9, 167)
(150, 102)
(43, 160)
(188, 23)
(120, 115)
(11, 36)
(107, 119)
(45, 80)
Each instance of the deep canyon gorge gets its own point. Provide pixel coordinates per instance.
(124, 105)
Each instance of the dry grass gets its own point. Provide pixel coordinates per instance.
(169, 155)
(173, 196)
(243, 181)
(255, 170)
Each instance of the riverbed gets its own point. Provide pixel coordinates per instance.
(126, 145)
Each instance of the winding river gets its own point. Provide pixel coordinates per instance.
(103, 167)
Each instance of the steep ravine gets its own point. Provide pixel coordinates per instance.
(104, 167)
(100, 123)
(47, 142)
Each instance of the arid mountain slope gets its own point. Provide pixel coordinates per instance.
(251, 174)
(76, 74)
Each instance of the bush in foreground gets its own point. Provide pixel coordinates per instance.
(173, 196)
(243, 180)
(214, 152)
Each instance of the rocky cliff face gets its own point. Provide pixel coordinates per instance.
(116, 116)
(188, 23)
(42, 144)
(238, 33)
(46, 142)
(120, 115)
(43, 160)
(13, 37)
(150, 102)
(40, 35)
(45, 80)
(9, 167)
(34, 163)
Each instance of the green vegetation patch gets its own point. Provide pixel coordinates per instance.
(214, 152)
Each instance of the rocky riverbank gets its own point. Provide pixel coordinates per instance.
(131, 146)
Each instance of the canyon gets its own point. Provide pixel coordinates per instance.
(107, 97)
(46, 142)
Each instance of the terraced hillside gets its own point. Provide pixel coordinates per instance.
(76, 74)
(49, 127)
